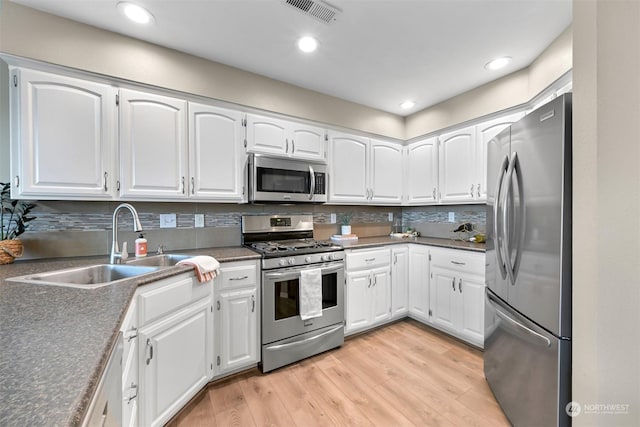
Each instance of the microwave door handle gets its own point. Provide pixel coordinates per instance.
(313, 182)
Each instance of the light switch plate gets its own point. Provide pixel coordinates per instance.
(390, 216)
(168, 221)
(333, 218)
(198, 219)
(452, 217)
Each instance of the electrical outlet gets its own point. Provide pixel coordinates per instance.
(390, 216)
(452, 217)
(198, 219)
(168, 221)
(333, 218)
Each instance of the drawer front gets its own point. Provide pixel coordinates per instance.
(168, 295)
(460, 260)
(237, 275)
(370, 258)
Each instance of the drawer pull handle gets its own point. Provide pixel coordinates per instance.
(458, 263)
(369, 259)
(239, 278)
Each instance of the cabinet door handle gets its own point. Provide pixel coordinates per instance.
(183, 185)
(458, 263)
(150, 347)
(375, 280)
(293, 146)
(239, 278)
(106, 175)
(135, 389)
(253, 303)
(471, 192)
(218, 305)
(369, 282)
(453, 284)
(478, 191)
(434, 193)
(395, 259)
(286, 149)
(460, 285)
(17, 181)
(193, 185)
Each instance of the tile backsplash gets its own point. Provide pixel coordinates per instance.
(66, 228)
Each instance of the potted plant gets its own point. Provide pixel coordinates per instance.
(346, 223)
(13, 222)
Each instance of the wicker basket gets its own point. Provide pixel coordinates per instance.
(10, 250)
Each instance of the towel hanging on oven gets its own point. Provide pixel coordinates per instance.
(310, 293)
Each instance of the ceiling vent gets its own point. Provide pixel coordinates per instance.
(315, 8)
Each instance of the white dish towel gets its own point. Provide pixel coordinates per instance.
(310, 293)
(207, 267)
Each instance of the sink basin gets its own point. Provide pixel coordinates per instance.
(165, 260)
(89, 277)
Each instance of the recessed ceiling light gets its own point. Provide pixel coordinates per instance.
(307, 44)
(407, 104)
(136, 13)
(497, 63)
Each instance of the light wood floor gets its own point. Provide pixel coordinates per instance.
(402, 374)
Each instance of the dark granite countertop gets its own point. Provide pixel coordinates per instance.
(55, 341)
(365, 242)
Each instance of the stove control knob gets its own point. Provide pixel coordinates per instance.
(292, 261)
(307, 259)
(324, 257)
(282, 262)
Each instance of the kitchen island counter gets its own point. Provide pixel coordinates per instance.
(56, 340)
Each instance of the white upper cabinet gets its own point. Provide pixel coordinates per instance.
(485, 132)
(153, 146)
(348, 163)
(385, 173)
(216, 155)
(458, 166)
(63, 137)
(364, 171)
(421, 169)
(268, 135)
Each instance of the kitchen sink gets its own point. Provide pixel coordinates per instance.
(89, 277)
(164, 260)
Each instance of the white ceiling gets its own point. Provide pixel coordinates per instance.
(376, 53)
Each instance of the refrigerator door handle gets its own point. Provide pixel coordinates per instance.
(512, 267)
(507, 318)
(497, 239)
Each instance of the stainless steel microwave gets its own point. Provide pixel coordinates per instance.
(273, 179)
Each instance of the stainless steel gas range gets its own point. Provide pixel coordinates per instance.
(287, 247)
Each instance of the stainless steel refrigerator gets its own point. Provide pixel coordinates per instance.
(527, 348)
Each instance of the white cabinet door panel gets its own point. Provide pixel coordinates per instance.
(457, 166)
(419, 282)
(358, 312)
(65, 143)
(349, 166)
(472, 313)
(308, 142)
(444, 307)
(153, 145)
(267, 135)
(386, 172)
(399, 281)
(422, 172)
(239, 328)
(380, 295)
(216, 154)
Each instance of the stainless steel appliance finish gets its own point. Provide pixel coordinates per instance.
(105, 408)
(527, 357)
(273, 179)
(288, 248)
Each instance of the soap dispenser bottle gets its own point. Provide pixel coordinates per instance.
(141, 246)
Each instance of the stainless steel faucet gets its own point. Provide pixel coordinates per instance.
(116, 255)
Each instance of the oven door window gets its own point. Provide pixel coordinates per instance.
(287, 301)
(283, 181)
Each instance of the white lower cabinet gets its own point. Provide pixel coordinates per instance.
(129, 365)
(237, 308)
(368, 288)
(419, 282)
(399, 281)
(457, 293)
(174, 348)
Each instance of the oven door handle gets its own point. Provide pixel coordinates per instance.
(304, 341)
(296, 271)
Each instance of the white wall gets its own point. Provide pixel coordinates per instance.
(37, 35)
(606, 197)
(510, 91)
